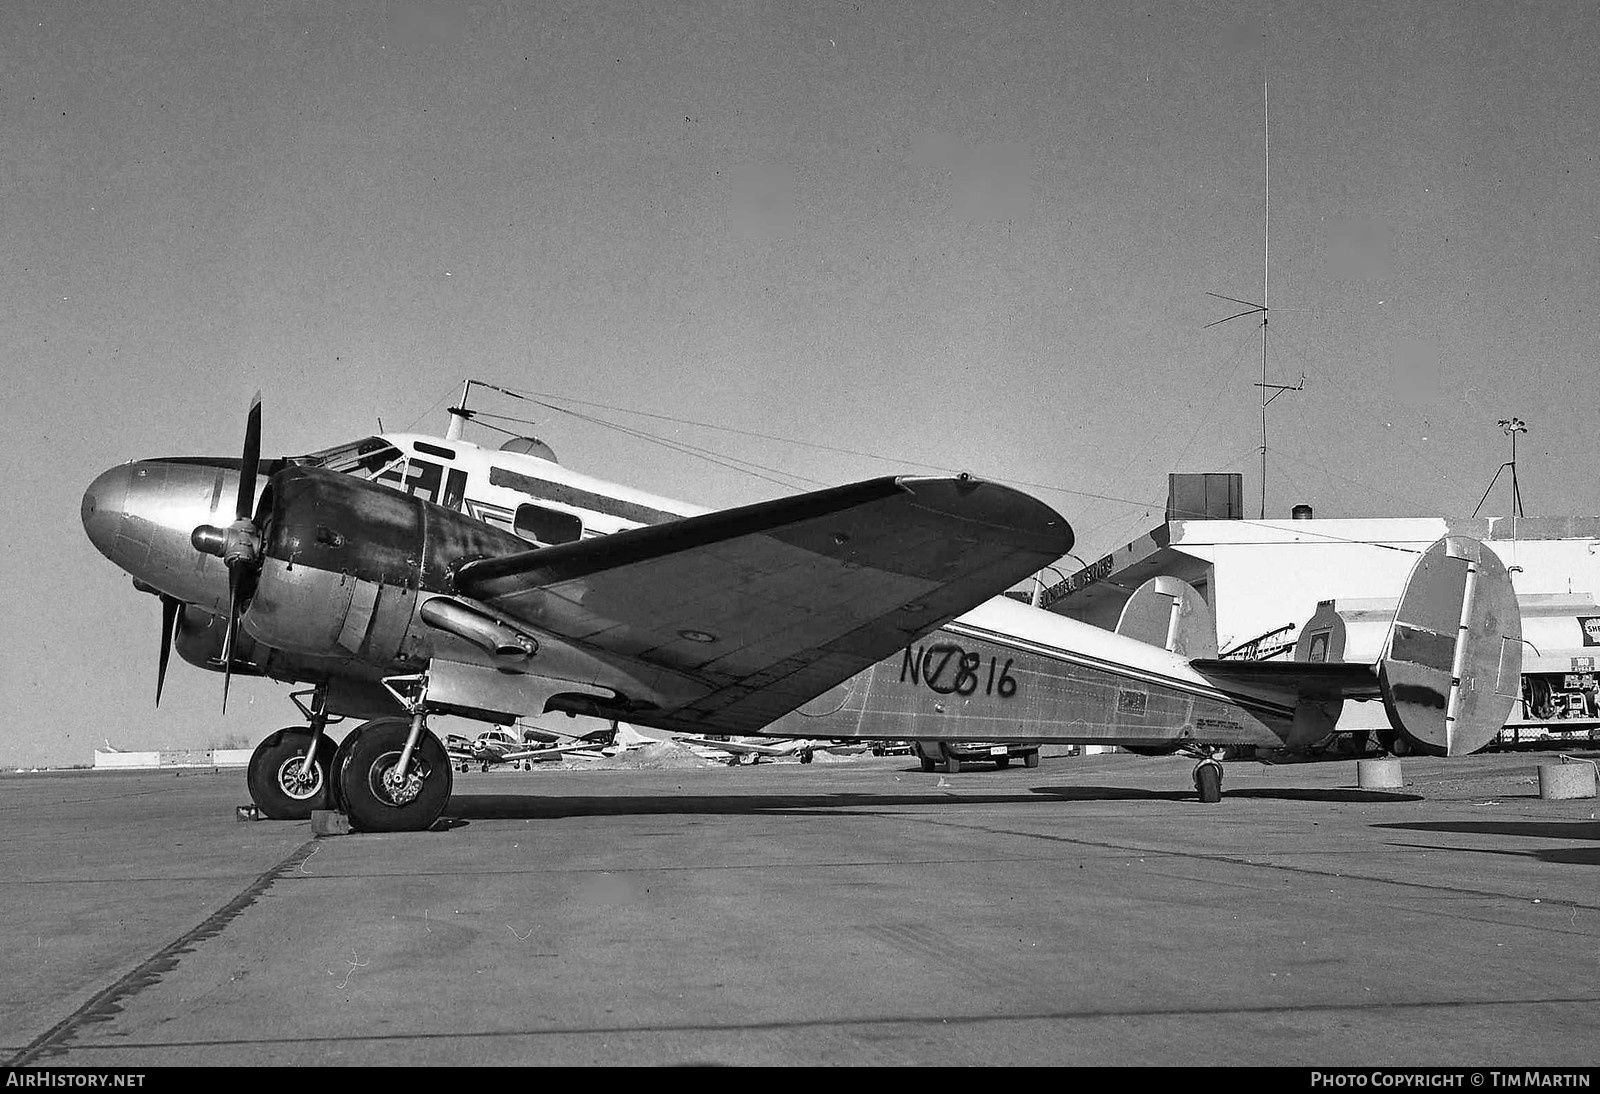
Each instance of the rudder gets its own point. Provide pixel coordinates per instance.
(1452, 666)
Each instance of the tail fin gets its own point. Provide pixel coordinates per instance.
(1169, 613)
(1452, 666)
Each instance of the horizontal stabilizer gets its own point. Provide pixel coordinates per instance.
(1321, 681)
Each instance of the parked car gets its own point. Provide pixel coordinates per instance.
(953, 754)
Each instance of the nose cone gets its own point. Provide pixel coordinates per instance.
(104, 504)
(142, 516)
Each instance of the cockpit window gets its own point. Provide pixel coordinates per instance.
(368, 458)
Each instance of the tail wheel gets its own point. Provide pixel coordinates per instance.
(281, 785)
(376, 797)
(1208, 781)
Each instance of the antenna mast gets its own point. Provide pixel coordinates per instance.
(1510, 427)
(1261, 308)
(460, 415)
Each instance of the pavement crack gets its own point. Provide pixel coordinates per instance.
(105, 1004)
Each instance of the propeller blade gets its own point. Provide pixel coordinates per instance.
(235, 584)
(245, 506)
(169, 622)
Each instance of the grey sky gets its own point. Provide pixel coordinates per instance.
(973, 236)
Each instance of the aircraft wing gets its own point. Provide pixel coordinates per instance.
(1290, 681)
(766, 606)
(549, 753)
(780, 747)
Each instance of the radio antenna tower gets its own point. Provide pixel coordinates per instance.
(1261, 309)
(1510, 427)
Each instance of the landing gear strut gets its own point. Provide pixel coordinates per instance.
(290, 773)
(392, 774)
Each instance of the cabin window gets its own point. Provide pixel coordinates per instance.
(547, 527)
(434, 450)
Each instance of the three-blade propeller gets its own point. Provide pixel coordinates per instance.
(239, 544)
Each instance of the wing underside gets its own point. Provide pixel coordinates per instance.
(766, 606)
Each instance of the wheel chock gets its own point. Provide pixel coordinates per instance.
(247, 813)
(329, 822)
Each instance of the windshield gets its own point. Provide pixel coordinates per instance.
(368, 458)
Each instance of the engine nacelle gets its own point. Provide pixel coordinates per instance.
(344, 563)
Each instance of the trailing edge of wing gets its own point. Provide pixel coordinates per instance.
(1293, 680)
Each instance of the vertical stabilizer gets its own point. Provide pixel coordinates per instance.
(1452, 666)
(1168, 612)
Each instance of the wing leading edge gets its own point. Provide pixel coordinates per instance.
(767, 606)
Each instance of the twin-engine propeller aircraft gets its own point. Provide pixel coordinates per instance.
(408, 576)
(497, 746)
(404, 576)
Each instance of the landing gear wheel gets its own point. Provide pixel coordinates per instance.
(952, 764)
(274, 775)
(1002, 761)
(341, 756)
(1030, 759)
(1208, 780)
(805, 757)
(377, 801)
(927, 764)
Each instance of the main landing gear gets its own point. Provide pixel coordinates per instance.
(388, 775)
(392, 774)
(291, 772)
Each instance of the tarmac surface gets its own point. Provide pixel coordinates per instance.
(855, 912)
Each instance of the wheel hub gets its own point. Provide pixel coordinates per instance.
(400, 790)
(296, 781)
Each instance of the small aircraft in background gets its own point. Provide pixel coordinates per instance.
(499, 745)
(405, 576)
(737, 750)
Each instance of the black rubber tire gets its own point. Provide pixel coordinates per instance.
(1208, 782)
(1030, 759)
(274, 763)
(805, 757)
(927, 764)
(952, 764)
(368, 803)
(340, 756)
(1002, 761)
